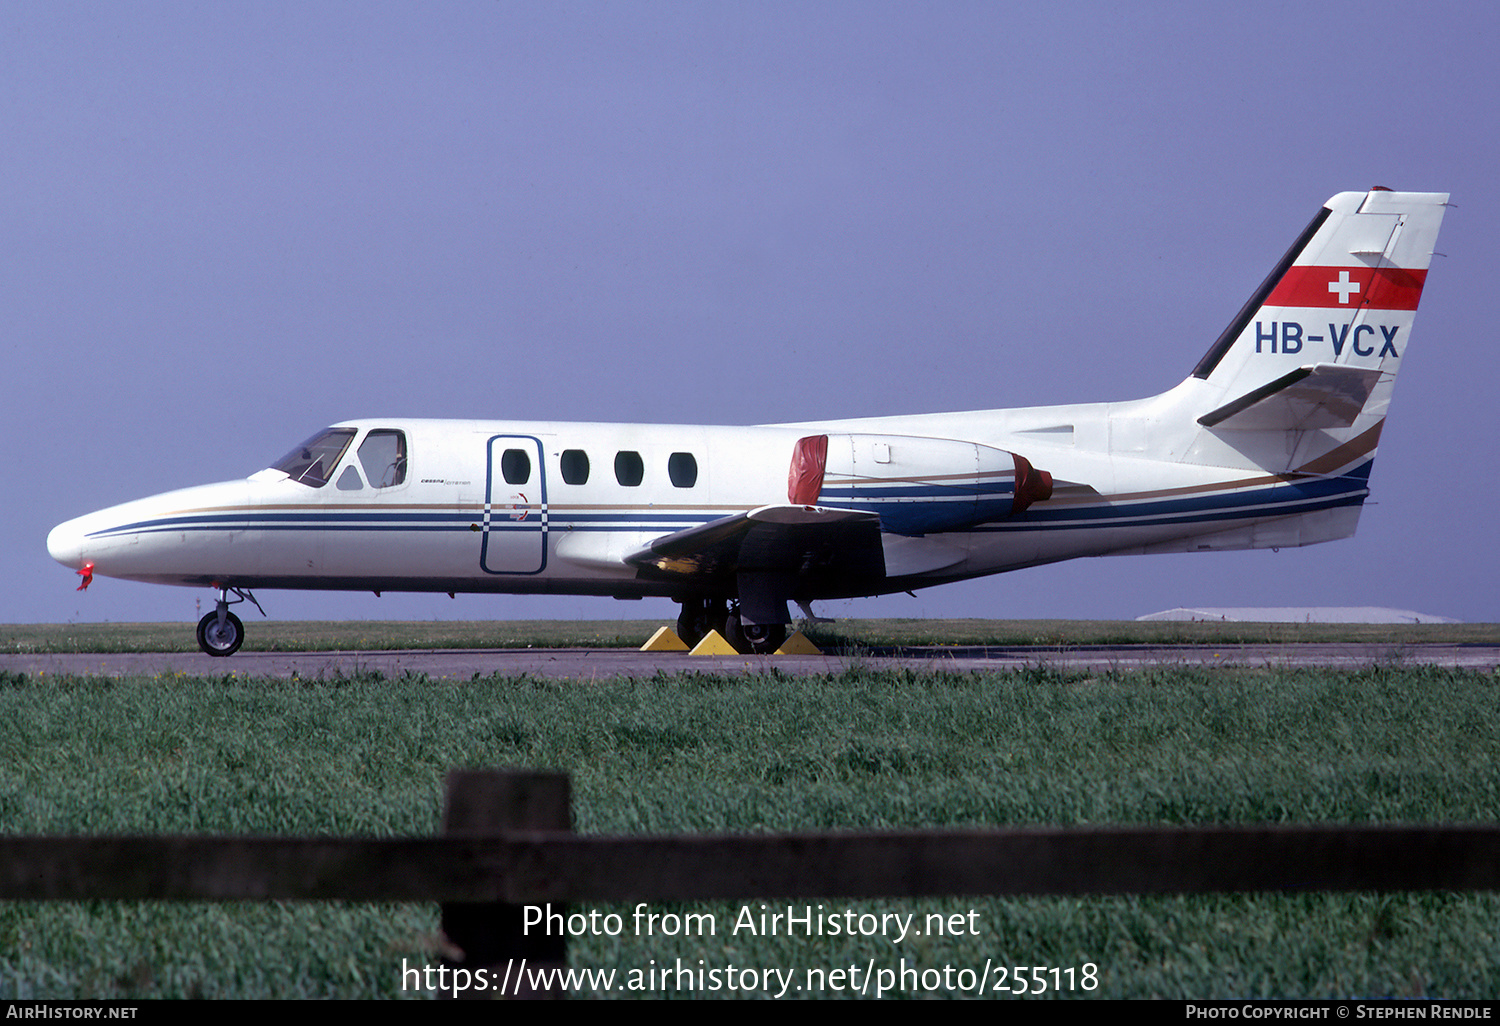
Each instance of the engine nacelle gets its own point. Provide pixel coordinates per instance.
(916, 485)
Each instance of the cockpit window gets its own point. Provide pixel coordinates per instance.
(312, 462)
(383, 455)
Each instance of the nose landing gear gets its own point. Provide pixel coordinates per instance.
(221, 633)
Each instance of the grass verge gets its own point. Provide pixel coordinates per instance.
(701, 753)
(365, 635)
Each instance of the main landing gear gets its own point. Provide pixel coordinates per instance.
(699, 616)
(221, 633)
(755, 637)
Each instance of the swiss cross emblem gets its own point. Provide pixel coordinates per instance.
(1343, 286)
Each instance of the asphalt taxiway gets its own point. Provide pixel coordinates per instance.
(595, 663)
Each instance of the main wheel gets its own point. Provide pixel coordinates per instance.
(764, 637)
(756, 637)
(692, 622)
(698, 617)
(220, 641)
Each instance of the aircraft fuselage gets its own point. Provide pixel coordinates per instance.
(1268, 443)
(557, 507)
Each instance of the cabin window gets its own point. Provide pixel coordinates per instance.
(515, 466)
(383, 456)
(312, 462)
(682, 468)
(575, 466)
(629, 468)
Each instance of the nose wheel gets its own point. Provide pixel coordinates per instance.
(221, 634)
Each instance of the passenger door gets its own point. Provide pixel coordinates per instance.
(515, 507)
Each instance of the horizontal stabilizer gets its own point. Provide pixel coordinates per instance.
(1322, 395)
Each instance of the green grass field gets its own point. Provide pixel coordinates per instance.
(699, 753)
(315, 635)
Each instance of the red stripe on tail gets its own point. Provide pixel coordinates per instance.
(1349, 288)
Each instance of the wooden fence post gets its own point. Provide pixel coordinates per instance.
(490, 934)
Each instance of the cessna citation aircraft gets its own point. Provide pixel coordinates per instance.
(1268, 442)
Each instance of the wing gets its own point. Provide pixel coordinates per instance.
(899, 499)
(806, 542)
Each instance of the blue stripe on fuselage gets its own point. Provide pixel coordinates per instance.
(926, 513)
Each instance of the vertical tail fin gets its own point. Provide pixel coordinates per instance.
(1333, 319)
(1297, 387)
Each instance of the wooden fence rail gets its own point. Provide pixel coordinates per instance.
(507, 843)
(538, 866)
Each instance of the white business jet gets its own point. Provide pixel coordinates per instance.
(1267, 443)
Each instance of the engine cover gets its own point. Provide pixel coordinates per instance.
(915, 485)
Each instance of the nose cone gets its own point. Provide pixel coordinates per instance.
(65, 544)
(180, 537)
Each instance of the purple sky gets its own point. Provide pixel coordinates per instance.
(228, 225)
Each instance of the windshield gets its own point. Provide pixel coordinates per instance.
(312, 462)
